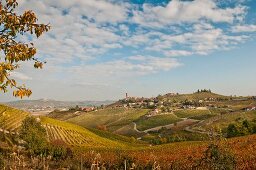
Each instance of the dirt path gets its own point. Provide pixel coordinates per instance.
(135, 128)
(179, 125)
(190, 128)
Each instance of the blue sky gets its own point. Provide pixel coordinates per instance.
(101, 49)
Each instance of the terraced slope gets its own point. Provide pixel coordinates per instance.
(10, 118)
(75, 135)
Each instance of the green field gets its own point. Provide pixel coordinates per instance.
(10, 118)
(145, 123)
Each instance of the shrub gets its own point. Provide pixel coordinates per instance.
(58, 149)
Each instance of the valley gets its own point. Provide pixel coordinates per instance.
(148, 129)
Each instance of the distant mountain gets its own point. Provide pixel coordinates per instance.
(41, 103)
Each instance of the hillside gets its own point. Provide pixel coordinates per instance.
(75, 135)
(10, 118)
(194, 96)
(64, 115)
(112, 118)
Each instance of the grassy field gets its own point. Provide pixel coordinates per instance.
(10, 118)
(194, 114)
(112, 118)
(149, 122)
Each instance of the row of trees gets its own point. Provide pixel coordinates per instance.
(204, 90)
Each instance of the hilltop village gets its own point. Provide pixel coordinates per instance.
(201, 100)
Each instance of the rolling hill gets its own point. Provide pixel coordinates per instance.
(112, 118)
(71, 134)
(109, 144)
(194, 96)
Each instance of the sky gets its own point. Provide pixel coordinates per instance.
(101, 49)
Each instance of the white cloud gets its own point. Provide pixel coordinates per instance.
(175, 53)
(133, 66)
(177, 11)
(244, 28)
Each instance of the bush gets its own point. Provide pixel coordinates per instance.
(59, 149)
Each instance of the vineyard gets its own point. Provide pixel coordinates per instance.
(183, 155)
(10, 118)
(75, 135)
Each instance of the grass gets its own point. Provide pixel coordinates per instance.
(112, 118)
(145, 123)
(194, 114)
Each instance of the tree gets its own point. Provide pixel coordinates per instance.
(12, 27)
(35, 136)
(232, 131)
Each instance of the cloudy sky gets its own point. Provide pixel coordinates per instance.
(101, 49)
